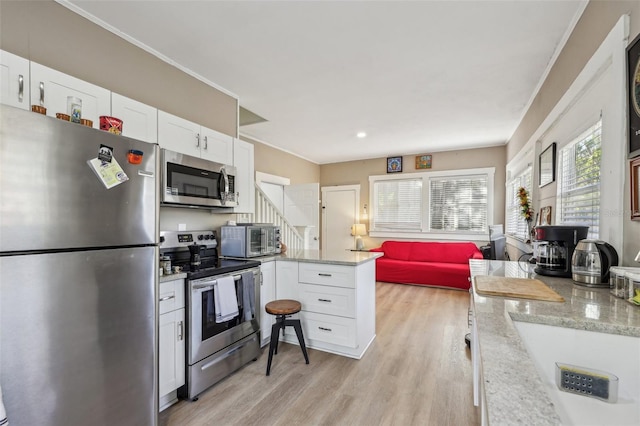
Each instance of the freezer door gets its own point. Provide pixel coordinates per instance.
(51, 199)
(78, 338)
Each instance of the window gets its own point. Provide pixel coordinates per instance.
(453, 204)
(398, 204)
(579, 181)
(515, 223)
(459, 203)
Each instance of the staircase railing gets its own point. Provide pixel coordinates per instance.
(267, 212)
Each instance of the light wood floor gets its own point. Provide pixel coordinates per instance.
(417, 372)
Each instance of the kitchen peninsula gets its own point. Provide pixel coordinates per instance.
(514, 385)
(337, 293)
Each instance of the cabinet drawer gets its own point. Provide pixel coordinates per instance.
(326, 328)
(324, 299)
(171, 296)
(333, 275)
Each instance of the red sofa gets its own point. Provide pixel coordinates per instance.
(426, 263)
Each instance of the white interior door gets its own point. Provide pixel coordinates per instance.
(339, 212)
(301, 209)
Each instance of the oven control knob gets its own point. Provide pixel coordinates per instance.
(200, 237)
(206, 237)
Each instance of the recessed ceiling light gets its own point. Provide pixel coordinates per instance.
(361, 135)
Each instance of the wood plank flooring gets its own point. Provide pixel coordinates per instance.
(417, 372)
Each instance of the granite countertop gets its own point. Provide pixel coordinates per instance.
(174, 276)
(337, 257)
(513, 389)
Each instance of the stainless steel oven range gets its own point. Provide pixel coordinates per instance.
(223, 300)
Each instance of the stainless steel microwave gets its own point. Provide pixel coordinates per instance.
(249, 240)
(192, 181)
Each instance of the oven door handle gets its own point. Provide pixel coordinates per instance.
(202, 287)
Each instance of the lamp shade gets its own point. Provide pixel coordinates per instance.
(358, 229)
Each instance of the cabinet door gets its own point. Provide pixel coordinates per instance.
(216, 146)
(178, 134)
(287, 280)
(51, 89)
(14, 80)
(267, 294)
(171, 352)
(139, 121)
(244, 162)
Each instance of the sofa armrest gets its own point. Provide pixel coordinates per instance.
(377, 249)
(477, 255)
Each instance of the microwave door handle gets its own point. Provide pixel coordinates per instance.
(224, 190)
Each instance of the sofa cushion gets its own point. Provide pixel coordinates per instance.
(400, 250)
(458, 252)
(454, 275)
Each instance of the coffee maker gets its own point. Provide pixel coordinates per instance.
(556, 244)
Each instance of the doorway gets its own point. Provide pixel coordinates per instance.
(340, 206)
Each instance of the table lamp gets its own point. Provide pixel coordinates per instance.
(359, 229)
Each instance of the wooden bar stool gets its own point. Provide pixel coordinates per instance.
(281, 308)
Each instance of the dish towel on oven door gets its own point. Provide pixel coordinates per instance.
(226, 300)
(3, 414)
(248, 295)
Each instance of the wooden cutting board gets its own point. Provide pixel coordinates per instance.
(524, 288)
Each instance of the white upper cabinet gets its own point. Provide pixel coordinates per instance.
(184, 136)
(139, 121)
(216, 146)
(51, 88)
(14, 80)
(178, 134)
(243, 160)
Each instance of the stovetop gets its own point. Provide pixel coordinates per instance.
(222, 266)
(176, 246)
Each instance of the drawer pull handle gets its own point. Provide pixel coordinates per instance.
(162, 299)
(324, 300)
(324, 275)
(324, 329)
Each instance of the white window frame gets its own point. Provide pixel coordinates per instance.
(426, 233)
(582, 189)
(513, 204)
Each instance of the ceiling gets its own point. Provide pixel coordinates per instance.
(416, 76)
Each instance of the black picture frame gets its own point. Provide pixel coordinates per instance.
(633, 90)
(394, 164)
(547, 166)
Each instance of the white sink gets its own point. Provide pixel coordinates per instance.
(611, 353)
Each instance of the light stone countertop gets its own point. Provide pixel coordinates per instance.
(337, 257)
(171, 277)
(513, 389)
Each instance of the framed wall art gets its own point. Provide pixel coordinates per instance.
(635, 189)
(394, 164)
(423, 161)
(633, 84)
(547, 166)
(545, 215)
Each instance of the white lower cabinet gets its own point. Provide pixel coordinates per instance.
(14, 80)
(171, 342)
(338, 304)
(267, 294)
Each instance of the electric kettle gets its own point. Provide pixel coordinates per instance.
(591, 262)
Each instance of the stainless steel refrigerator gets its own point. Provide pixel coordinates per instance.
(78, 262)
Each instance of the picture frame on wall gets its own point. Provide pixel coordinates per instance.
(633, 88)
(423, 161)
(394, 164)
(545, 215)
(547, 166)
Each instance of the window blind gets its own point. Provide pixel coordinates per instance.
(516, 226)
(398, 205)
(459, 203)
(579, 181)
